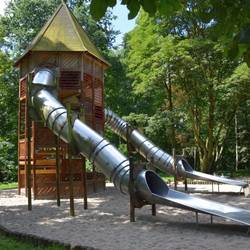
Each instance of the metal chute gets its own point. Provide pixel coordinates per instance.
(149, 187)
(157, 156)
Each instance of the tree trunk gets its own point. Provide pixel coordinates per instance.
(206, 148)
(168, 84)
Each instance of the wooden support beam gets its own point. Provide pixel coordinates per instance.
(175, 168)
(58, 195)
(131, 176)
(94, 178)
(19, 180)
(84, 182)
(154, 209)
(185, 180)
(197, 218)
(71, 181)
(84, 171)
(186, 185)
(34, 183)
(19, 132)
(28, 124)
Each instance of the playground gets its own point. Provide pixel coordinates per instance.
(106, 225)
(78, 188)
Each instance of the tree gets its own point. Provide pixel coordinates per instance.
(201, 70)
(8, 118)
(149, 67)
(229, 19)
(98, 8)
(186, 78)
(22, 21)
(117, 86)
(238, 92)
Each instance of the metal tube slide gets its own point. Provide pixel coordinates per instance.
(149, 187)
(158, 157)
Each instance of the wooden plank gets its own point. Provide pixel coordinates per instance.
(47, 163)
(41, 171)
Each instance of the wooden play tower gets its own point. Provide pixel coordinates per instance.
(64, 45)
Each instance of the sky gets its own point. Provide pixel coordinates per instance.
(121, 23)
(2, 5)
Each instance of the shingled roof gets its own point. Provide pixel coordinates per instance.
(62, 32)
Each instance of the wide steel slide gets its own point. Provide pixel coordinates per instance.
(149, 187)
(157, 156)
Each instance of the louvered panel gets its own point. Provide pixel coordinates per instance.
(70, 79)
(98, 96)
(88, 108)
(23, 87)
(22, 120)
(98, 112)
(98, 93)
(88, 86)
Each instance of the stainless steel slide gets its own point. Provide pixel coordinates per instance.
(148, 186)
(157, 156)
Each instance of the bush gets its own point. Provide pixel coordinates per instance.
(8, 164)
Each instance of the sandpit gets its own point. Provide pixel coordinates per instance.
(105, 225)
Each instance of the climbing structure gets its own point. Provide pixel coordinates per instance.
(63, 45)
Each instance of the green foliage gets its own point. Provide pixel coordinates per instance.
(98, 8)
(10, 185)
(237, 90)
(117, 86)
(9, 243)
(8, 163)
(186, 85)
(8, 117)
(229, 20)
(22, 21)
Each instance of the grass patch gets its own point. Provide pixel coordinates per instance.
(8, 243)
(4, 186)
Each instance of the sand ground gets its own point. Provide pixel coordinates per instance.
(105, 225)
